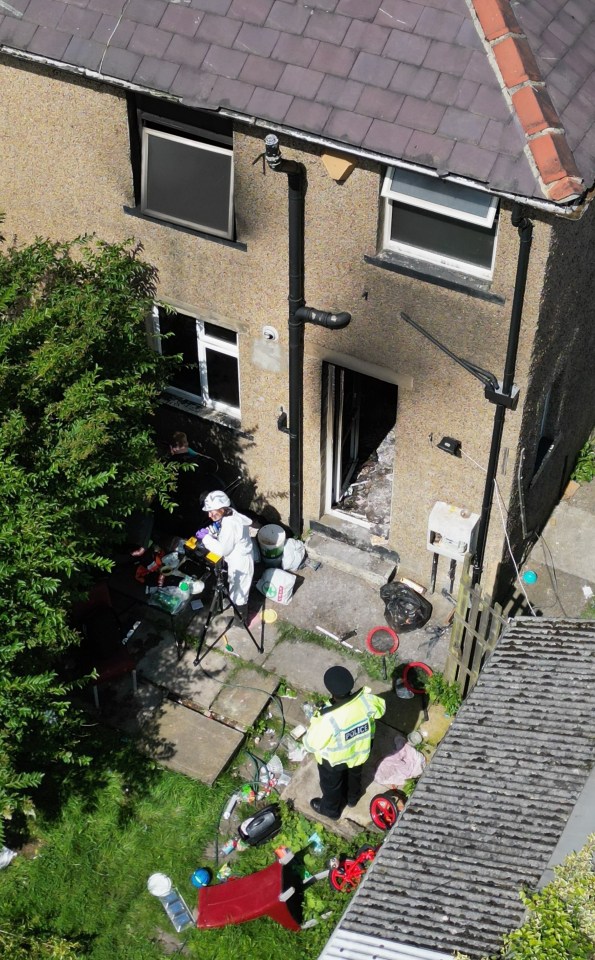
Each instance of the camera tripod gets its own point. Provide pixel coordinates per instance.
(218, 605)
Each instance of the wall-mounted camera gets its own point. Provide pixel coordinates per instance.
(270, 334)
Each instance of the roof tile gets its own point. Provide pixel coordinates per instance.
(48, 42)
(553, 157)
(109, 30)
(186, 51)
(420, 114)
(84, 53)
(332, 59)
(324, 26)
(468, 36)
(251, 11)
(372, 69)
(269, 104)
(516, 61)
(472, 161)
(149, 41)
(226, 63)
(454, 91)
(479, 69)
(220, 30)
(156, 73)
(79, 21)
(212, 6)
(113, 7)
(382, 104)
(305, 115)
(258, 40)
(122, 64)
(149, 12)
(496, 18)
(340, 93)
(16, 33)
(288, 17)
(261, 71)
(496, 137)
(419, 79)
(388, 138)
(462, 125)
(183, 20)
(362, 9)
(445, 58)
(300, 82)
(513, 174)
(46, 13)
(490, 103)
(429, 149)
(185, 85)
(401, 12)
(534, 109)
(366, 36)
(439, 25)
(566, 189)
(407, 48)
(232, 93)
(348, 126)
(298, 50)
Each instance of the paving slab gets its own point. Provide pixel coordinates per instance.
(246, 696)
(371, 567)
(160, 665)
(187, 742)
(303, 664)
(304, 786)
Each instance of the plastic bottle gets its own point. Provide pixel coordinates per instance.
(230, 806)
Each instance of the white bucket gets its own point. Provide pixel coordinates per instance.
(159, 884)
(271, 540)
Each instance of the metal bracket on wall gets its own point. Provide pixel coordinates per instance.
(282, 421)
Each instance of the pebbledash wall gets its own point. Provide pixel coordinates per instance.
(65, 169)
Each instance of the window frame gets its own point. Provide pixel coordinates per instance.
(392, 197)
(204, 341)
(199, 138)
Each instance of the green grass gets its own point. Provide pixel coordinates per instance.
(588, 612)
(371, 664)
(102, 836)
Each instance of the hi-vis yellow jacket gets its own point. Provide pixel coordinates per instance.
(343, 734)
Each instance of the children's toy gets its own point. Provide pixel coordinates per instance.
(268, 893)
(386, 807)
(345, 873)
(200, 878)
(174, 905)
(262, 826)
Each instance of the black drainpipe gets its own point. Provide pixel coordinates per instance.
(299, 314)
(525, 229)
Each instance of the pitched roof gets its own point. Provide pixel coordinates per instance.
(498, 93)
(488, 812)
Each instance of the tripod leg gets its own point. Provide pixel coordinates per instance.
(241, 619)
(214, 607)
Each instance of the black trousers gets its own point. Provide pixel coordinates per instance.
(339, 785)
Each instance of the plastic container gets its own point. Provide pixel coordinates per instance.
(159, 884)
(271, 542)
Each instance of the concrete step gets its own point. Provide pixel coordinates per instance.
(374, 567)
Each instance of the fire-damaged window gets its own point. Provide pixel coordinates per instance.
(439, 222)
(209, 373)
(184, 166)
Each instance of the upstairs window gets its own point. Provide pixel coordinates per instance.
(184, 166)
(209, 374)
(440, 222)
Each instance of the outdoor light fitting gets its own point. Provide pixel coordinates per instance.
(450, 445)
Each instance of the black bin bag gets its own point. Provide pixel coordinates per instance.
(404, 609)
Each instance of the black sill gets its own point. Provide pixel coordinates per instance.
(134, 212)
(216, 417)
(439, 276)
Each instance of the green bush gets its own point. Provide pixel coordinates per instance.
(584, 470)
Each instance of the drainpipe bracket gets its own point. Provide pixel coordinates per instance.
(501, 399)
(282, 422)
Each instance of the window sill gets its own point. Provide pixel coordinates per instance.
(235, 244)
(205, 413)
(432, 273)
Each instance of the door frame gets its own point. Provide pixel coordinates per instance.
(331, 466)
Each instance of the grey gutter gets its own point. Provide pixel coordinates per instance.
(571, 211)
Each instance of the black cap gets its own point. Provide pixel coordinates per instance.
(338, 681)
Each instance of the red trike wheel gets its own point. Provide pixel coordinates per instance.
(385, 808)
(344, 879)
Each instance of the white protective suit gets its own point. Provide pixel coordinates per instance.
(235, 544)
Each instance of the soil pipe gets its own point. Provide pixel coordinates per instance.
(525, 230)
(299, 314)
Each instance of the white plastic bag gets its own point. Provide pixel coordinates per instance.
(277, 585)
(294, 554)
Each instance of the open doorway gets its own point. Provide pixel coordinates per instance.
(361, 413)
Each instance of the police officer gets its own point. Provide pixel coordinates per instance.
(340, 737)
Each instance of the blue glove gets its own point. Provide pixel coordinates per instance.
(201, 533)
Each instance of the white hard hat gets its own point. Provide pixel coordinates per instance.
(216, 500)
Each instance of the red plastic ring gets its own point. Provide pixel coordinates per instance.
(385, 653)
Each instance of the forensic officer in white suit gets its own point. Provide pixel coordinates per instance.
(229, 537)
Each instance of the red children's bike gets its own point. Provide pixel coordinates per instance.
(345, 872)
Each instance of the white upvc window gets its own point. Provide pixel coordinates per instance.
(210, 372)
(187, 176)
(443, 223)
